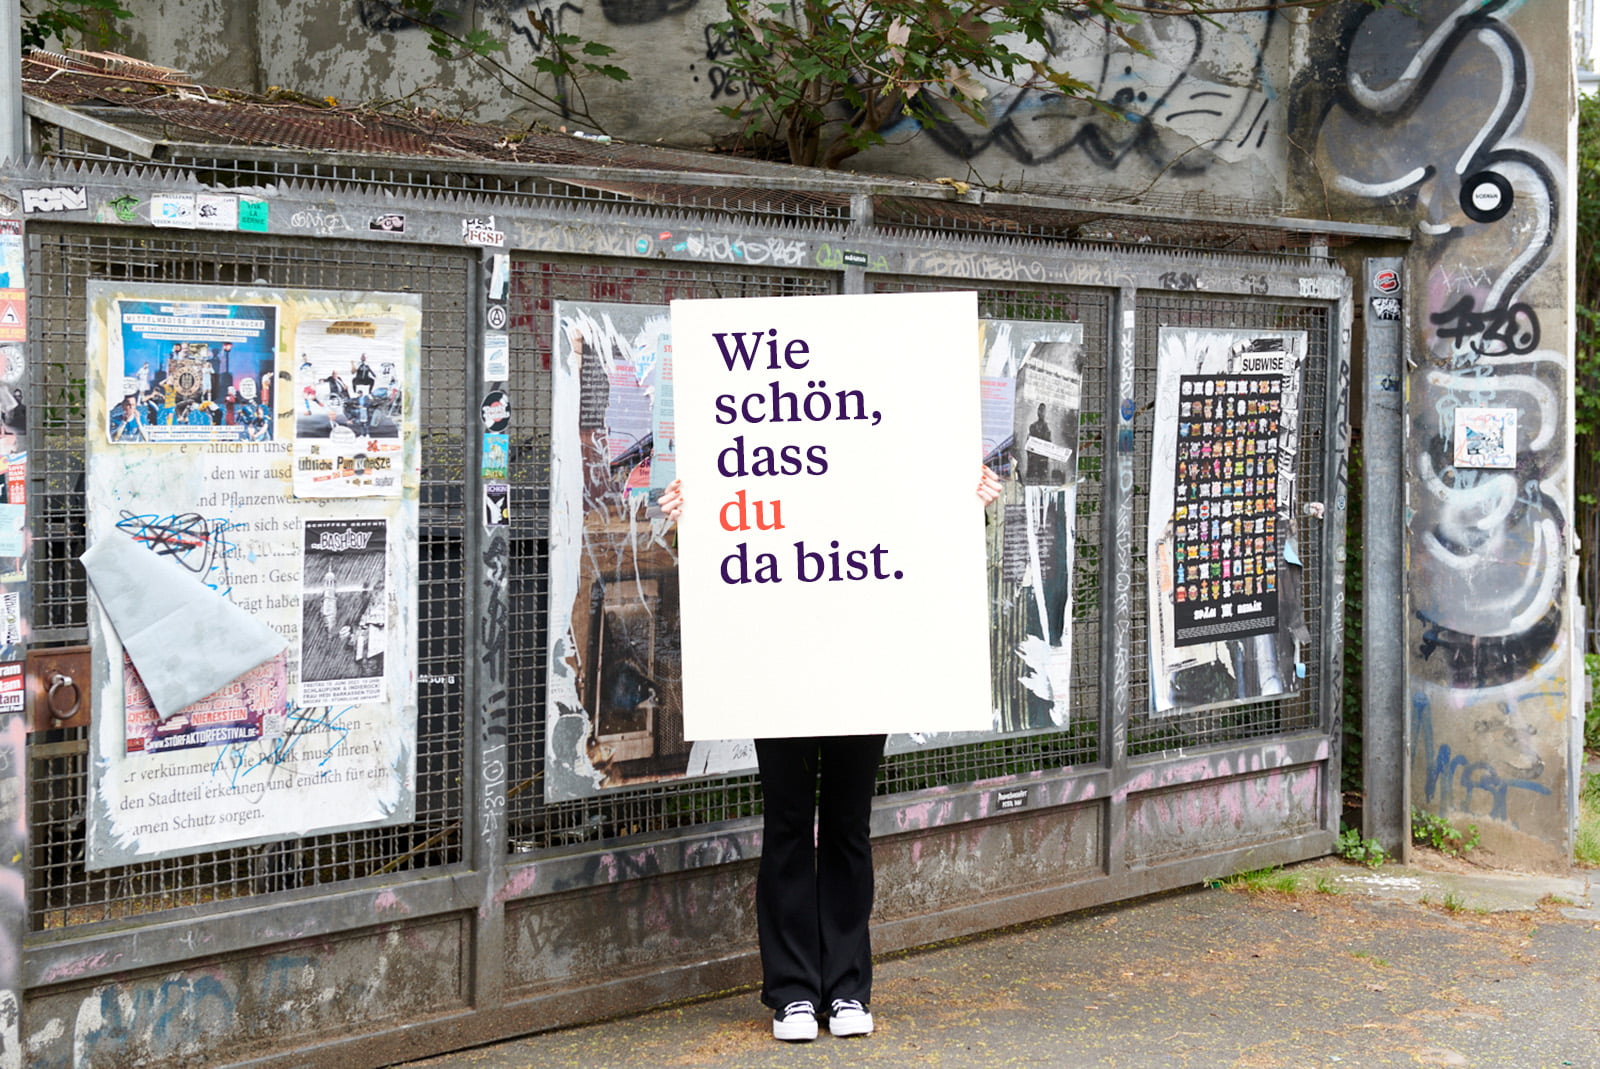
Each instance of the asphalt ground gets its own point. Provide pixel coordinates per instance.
(1438, 964)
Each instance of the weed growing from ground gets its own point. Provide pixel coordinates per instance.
(1586, 846)
(1273, 880)
(1352, 847)
(1429, 830)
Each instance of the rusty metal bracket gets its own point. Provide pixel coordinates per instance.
(58, 684)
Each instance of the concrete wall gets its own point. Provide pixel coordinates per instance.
(1380, 115)
(1408, 119)
(213, 40)
(1203, 107)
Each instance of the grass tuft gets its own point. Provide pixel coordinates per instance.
(1586, 846)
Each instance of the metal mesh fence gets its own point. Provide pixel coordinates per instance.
(536, 285)
(61, 262)
(1080, 742)
(1153, 734)
(1096, 217)
(675, 804)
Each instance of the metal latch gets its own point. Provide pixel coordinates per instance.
(58, 683)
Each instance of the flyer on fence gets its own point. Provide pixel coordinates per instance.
(321, 737)
(344, 610)
(190, 371)
(1224, 574)
(250, 708)
(347, 402)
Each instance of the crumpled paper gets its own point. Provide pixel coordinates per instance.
(186, 640)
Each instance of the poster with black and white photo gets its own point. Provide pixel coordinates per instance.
(1224, 576)
(1048, 396)
(344, 605)
(1033, 447)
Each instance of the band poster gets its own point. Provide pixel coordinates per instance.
(192, 371)
(1224, 578)
(614, 674)
(344, 611)
(321, 737)
(347, 399)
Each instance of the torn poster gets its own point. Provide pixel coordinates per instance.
(274, 755)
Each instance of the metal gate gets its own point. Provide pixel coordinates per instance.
(497, 911)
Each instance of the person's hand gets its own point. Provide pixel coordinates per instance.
(672, 500)
(988, 486)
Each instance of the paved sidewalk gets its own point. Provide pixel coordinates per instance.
(1401, 967)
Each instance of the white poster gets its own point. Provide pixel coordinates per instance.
(324, 737)
(830, 449)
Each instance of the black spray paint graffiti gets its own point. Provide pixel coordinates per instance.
(639, 12)
(522, 22)
(1168, 114)
(1427, 119)
(201, 545)
(390, 16)
(1499, 331)
(724, 83)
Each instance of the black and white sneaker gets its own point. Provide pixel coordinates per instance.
(848, 1017)
(795, 1023)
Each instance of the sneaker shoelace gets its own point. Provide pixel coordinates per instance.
(794, 1008)
(847, 1005)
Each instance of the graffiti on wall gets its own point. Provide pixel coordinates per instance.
(526, 27)
(1430, 117)
(182, 1016)
(523, 26)
(1170, 104)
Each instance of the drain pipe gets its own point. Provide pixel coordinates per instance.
(13, 124)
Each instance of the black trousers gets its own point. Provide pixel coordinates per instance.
(814, 887)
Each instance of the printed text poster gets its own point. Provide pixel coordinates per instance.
(830, 446)
(615, 661)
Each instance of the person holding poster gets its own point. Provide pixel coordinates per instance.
(814, 887)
